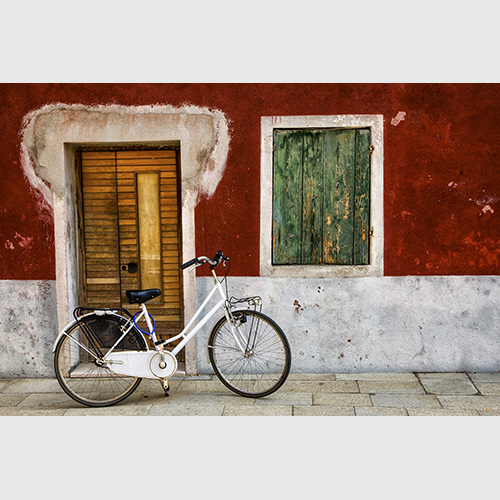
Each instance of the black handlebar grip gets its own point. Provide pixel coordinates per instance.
(189, 263)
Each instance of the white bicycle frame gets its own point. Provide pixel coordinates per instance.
(188, 336)
(140, 363)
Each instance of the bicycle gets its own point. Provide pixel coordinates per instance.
(101, 357)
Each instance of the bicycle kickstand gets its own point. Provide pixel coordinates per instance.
(165, 386)
(164, 382)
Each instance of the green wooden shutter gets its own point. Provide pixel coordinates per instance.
(338, 196)
(361, 254)
(312, 211)
(287, 188)
(321, 196)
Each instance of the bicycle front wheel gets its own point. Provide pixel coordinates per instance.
(78, 359)
(251, 356)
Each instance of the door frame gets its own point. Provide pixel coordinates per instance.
(50, 137)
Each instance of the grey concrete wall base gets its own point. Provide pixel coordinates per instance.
(390, 324)
(28, 328)
(402, 324)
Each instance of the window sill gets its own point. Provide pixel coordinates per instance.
(323, 271)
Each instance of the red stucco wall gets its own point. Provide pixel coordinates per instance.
(441, 181)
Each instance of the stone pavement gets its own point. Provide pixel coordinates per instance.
(366, 394)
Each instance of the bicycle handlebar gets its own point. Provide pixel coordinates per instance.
(201, 260)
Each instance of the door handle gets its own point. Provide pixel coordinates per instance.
(131, 267)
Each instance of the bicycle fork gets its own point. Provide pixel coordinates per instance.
(231, 321)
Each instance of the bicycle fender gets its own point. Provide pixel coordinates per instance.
(61, 333)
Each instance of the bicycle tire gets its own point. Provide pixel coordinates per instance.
(77, 368)
(264, 366)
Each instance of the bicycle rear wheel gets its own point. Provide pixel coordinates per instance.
(78, 360)
(254, 360)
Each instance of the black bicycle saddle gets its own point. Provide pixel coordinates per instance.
(141, 296)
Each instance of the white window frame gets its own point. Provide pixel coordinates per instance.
(376, 124)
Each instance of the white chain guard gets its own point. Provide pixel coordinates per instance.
(142, 364)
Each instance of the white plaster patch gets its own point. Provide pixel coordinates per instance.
(22, 241)
(398, 118)
(485, 201)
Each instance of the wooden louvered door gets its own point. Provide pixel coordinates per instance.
(132, 231)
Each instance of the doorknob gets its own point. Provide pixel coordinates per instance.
(131, 267)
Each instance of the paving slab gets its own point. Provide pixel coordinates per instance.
(349, 399)
(448, 386)
(405, 400)
(488, 388)
(260, 410)
(440, 412)
(443, 375)
(187, 410)
(155, 387)
(32, 412)
(380, 411)
(109, 411)
(4, 383)
(60, 400)
(394, 377)
(323, 411)
(489, 413)
(320, 386)
(470, 402)
(311, 376)
(159, 398)
(30, 386)
(193, 385)
(484, 377)
(228, 398)
(390, 386)
(286, 398)
(11, 399)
